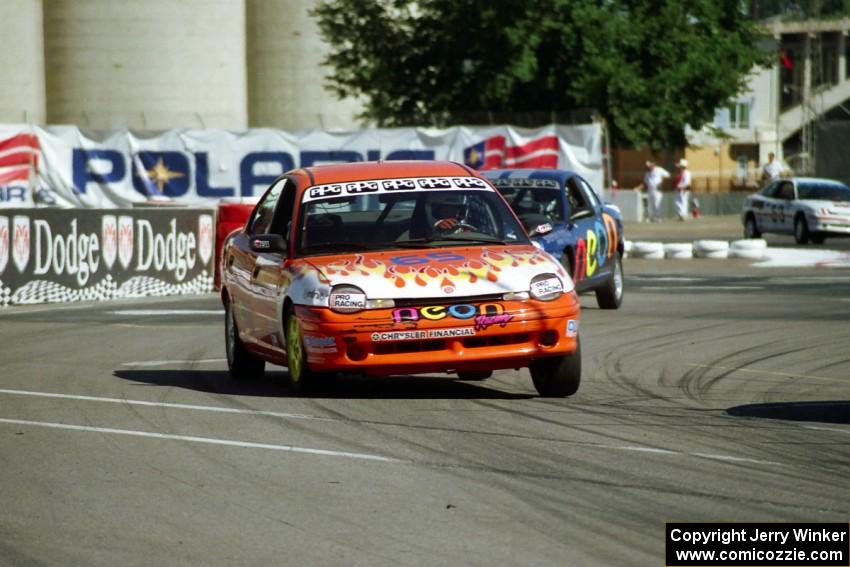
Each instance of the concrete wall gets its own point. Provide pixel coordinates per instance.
(21, 62)
(286, 79)
(155, 64)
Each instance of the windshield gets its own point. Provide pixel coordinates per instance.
(535, 205)
(823, 191)
(401, 213)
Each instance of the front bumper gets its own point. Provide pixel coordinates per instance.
(372, 343)
(829, 224)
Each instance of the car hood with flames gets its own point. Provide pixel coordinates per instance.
(433, 273)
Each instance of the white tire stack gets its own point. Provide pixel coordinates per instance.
(750, 248)
(714, 249)
(648, 250)
(679, 251)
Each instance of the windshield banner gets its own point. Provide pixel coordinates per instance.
(51, 255)
(64, 166)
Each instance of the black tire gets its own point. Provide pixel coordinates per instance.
(557, 376)
(801, 230)
(610, 295)
(242, 364)
(476, 375)
(751, 229)
(818, 238)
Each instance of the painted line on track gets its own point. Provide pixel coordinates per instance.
(127, 402)
(833, 429)
(164, 312)
(207, 440)
(164, 362)
(220, 409)
(771, 372)
(702, 287)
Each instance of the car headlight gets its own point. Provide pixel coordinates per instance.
(345, 298)
(546, 287)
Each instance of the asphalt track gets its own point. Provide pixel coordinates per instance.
(718, 392)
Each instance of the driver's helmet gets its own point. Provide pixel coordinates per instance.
(447, 205)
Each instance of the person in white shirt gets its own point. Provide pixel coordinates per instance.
(683, 189)
(652, 180)
(772, 169)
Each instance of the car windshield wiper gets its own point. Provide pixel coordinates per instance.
(486, 240)
(337, 247)
(413, 243)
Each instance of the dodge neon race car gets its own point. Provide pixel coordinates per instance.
(395, 268)
(808, 208)
(562, 212)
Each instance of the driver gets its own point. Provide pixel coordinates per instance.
(449, 211)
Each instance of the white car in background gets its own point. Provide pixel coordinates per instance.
(807, 207)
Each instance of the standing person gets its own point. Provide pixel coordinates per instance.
(772, 169)
(683, 189)
(652, 180)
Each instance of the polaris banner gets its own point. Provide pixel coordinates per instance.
(52, 255)
(64, 166)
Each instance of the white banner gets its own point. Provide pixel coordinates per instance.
(67, 167)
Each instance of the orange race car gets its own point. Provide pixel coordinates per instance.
(395, 268)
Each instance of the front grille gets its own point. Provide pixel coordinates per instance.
(402, 347)
(496, 340)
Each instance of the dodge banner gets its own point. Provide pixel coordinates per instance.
(63, 166)
(53, 255)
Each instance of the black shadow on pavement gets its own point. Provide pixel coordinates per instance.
(824, 412)
(275, 384)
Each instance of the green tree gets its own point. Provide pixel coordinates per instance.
(650, 67)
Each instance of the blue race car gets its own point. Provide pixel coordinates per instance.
(561, 211)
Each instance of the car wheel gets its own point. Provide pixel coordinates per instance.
(296, 356)
(818, 238)
(801, 230)
(242, 364)
(750, 228)
(477, 375)
(610, 295)
(557, 376)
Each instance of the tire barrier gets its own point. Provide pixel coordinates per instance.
(679, 251)
(648, 250)
(750, 249)
(62, 255)
(712, 249)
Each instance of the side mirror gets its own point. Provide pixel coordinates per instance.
(268, 243)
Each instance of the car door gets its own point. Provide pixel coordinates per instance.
(761, 205)
(243, 261)
(783, 213)
(583, 211)
(269, 280)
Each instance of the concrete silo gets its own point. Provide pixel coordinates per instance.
(21, 62)
(148, 64)
(285, 78)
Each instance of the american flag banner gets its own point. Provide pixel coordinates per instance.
(63, 166)
(19, 156)
(495, 153)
